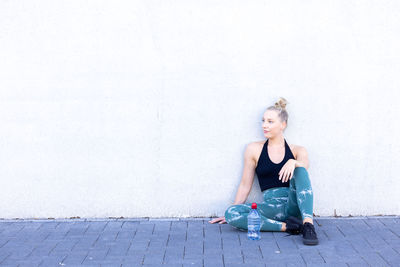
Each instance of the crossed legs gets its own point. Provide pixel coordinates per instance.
(279, 203)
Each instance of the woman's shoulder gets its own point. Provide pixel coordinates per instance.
(295, 149)
(261, 142)
(254, 149)
(256, 144)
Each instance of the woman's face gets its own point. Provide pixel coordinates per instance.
(272, 124)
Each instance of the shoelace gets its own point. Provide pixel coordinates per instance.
(309, 230)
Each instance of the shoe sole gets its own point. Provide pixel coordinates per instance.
(310, 242)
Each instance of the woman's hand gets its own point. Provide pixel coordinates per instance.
(222, 219)
(286, 173)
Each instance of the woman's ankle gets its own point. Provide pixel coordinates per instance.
(309, 220)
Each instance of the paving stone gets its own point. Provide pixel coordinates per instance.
(390, 255)
(374, 259)
(52, 261)
(359, 241)
(153, 259)
(312, 256)
(213, 259)
(74, 258)
(245, 264)
(333, 233)
(360, 225)
(326, 265)
(233, 258)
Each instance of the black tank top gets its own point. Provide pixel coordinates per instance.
(268, 172)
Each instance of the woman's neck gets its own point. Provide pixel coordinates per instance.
(276, 141)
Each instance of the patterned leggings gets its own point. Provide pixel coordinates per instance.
(279, 203)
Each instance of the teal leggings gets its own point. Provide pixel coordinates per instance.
(279, 203)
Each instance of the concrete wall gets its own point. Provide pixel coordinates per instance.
(144, 108)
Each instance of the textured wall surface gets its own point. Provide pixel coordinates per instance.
(144, 108)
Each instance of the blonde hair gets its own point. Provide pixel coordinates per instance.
(280, 107)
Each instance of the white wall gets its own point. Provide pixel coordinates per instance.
(144, 108)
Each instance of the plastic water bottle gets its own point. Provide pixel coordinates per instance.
(253, 223)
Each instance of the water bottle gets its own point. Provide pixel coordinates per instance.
(253, 223)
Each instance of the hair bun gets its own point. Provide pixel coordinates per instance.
(281, 103)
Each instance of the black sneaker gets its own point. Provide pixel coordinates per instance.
(309, 234)
(294, 226)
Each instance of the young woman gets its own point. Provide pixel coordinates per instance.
(282, 174)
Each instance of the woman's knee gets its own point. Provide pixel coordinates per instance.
(233, 215)
(300, 178)
(228, 212)
(300, 171)
(232, 211)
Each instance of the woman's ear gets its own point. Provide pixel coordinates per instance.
(284, 125)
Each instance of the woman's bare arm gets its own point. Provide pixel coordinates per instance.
(248, 175)
(302, 157)
(247, 179)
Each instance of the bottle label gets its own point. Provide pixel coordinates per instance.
(251, 227)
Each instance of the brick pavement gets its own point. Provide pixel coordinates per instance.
(366, 241)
